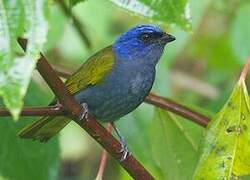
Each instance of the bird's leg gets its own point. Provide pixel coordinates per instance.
(124, 147)
(84, 113)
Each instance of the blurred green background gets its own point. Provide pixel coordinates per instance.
(199, 70)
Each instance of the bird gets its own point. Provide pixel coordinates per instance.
(111, 83)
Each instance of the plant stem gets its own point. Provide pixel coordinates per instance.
(245, 70)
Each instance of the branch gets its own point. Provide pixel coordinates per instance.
(176, 108)
(94, 129)
(77, 24)
(152, 99)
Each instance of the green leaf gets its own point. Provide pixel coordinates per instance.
(158, 138)
(226, 151)
(240, 35)
(165, 11)
(2, 178)
(37, 25)
(25, 159)
(15, 66)
(174, 146)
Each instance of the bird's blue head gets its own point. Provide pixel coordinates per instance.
(143, 43)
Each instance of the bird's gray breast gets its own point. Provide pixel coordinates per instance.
(140, 83)
(122, 91)
(137, 84)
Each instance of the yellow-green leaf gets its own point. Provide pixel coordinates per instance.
(2, 178)
(226, 151)
(174, 148)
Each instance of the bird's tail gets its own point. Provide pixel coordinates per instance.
(44, 128)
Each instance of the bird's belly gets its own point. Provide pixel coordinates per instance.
(114, 99)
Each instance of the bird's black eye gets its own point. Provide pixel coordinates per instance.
(145, 37)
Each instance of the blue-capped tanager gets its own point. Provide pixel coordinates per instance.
(112, 82)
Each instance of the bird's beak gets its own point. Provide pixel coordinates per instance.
(167, 38)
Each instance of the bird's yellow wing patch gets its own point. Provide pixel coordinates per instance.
(93, 71)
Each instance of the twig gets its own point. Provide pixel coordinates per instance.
(176, 108)
(77, 24)
(104, 158)
(153, 99)
(94, 129)
(245, 70)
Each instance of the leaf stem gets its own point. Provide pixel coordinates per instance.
(245, 70)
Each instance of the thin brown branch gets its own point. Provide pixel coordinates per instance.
(77, 24)
(176, 108)
(94, 129)
(37, 111)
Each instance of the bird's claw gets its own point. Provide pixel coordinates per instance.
(84, 113)
(125, 153)
(124, 147)
(124, 150)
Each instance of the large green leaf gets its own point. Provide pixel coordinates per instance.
(174, 148)
(16, 18)
(2, 178)
(165, 144)
(22, 159)
(165, 11)
(240, 35)
(226, 151)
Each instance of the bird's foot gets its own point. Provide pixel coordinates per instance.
(84, 113)
(124, 149)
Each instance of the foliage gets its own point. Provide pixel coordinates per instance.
(19, 17)
(226, 148)
(174, 138)
(164, 143)
(21, 159)
(165, 11)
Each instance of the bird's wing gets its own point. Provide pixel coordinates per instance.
(92, 72)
